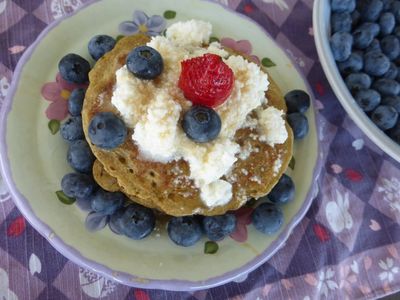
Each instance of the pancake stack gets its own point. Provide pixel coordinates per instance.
(167, 187)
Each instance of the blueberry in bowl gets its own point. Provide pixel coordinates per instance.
(362, 64)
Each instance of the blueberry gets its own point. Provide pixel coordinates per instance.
(355, 18)
(360, 5)
(372, 27)
(374, 46)
(385, 117)
(136, 222)
(283, 191)
(357, 81)
(116, 221)
(77, 185)
(72, 129)
(341, 43)
(395, 9)
(364, 34)
(390, 46)
(80, 156)
(394, 133)
(297, 101)
(218, 227)
(341, 22)
(353, 64)
(386, 4)
(201, 124)
(100, 45)
(393, 101)
(84, 204)
(387, 23)
(396, 61)
(343, 5)
(368, 99)
(392, 72)
(74, 68)
(362, 39)
(396, 32)
(184, 231)
(371, 10)
(299, 124)
(107, 202)
(107, 131)
(145, 62)
(267, 218)
(376, 63)
(387, 87)
(75, 101)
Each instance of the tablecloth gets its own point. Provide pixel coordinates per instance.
(355, 255)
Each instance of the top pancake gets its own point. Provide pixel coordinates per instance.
(167, 186)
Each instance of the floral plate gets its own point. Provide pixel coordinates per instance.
(33, 155)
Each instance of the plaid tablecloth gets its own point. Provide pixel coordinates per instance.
(355, 255)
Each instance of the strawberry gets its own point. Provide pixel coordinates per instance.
(206, 80)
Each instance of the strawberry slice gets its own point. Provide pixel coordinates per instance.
(206, 80)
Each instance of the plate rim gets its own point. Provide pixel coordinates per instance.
(75, 256)
(341, 91)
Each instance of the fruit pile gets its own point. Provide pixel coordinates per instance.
(206, 81)
(365, 44)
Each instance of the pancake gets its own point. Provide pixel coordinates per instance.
(167, 186)
(105, 180)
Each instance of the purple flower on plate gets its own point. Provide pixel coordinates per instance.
(241, 46)
(141, 23)
(243, 218)
(58, 93)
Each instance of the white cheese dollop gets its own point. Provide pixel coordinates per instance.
(154, 108)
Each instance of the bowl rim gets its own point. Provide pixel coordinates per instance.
(340, 89)
(124, 278)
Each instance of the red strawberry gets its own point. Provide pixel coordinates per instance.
(206, 80)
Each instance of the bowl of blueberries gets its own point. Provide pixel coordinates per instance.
(359, 49)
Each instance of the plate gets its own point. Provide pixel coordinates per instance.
(33, 159)
(321, 25)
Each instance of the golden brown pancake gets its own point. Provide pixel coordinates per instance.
(105, 180)
(167, 186)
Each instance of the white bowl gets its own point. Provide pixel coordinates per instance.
(321, 25)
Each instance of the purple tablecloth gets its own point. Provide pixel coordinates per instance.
(354, 255)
